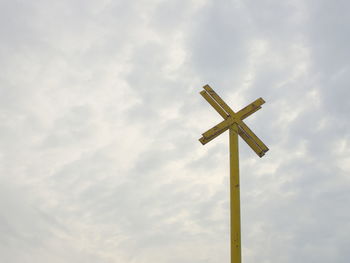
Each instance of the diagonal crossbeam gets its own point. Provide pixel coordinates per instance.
(231, 117)
(234, 123)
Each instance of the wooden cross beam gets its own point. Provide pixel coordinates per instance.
(234, 123)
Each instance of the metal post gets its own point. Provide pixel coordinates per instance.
(235, 197)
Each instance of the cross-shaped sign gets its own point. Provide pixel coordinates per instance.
(234, 123)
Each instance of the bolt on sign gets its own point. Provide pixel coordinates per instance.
(234, 123)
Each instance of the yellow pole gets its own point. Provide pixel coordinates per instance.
(235, 197)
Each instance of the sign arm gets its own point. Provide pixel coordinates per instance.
(219, 100)
(251, 134)
(213, 103)
(215, 131)
(251, 143)
(250, 109)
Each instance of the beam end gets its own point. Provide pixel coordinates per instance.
(202, 140)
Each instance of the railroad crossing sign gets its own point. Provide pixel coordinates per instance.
(234, 123)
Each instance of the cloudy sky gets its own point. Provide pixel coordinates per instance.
(100, 120)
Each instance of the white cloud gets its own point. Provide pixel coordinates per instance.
(100, 119)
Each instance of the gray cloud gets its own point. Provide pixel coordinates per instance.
(100, 120)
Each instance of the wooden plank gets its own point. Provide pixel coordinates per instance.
(214, 104)
(251, 143)
(235, 207)
(215, 131)
(251, 134)
(250, 109)
(219, 100)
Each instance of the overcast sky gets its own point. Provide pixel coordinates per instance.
(100, 116)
